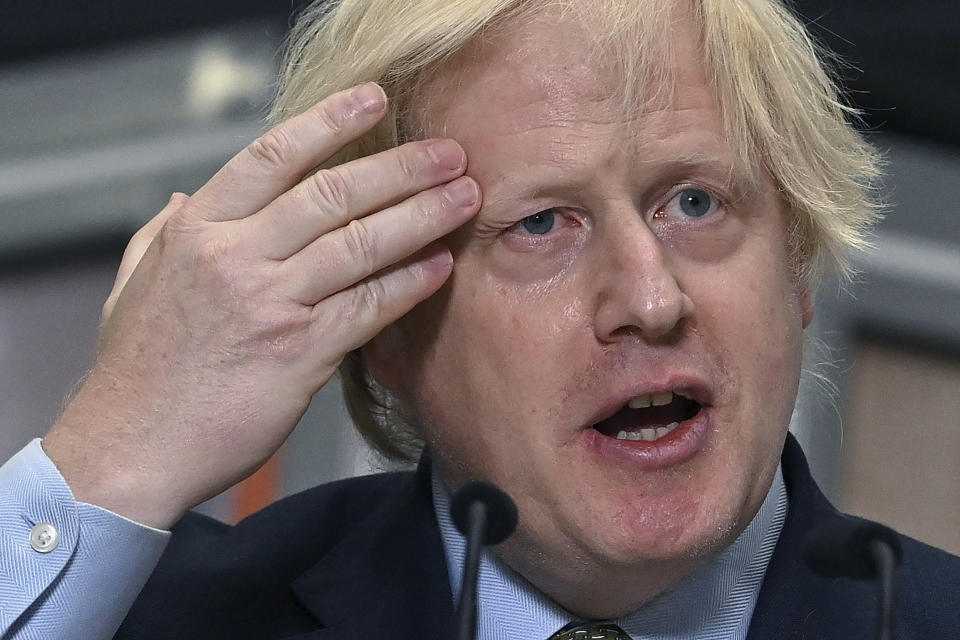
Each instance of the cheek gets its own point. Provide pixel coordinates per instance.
(487, 374)
(753, 313)
(757, 288)
(513, 326)
(473, 348)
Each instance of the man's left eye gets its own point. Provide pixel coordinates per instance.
(694, 203)
(539, 223)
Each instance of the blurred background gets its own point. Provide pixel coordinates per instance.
(107, 108)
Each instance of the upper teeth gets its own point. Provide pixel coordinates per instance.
(654, 399)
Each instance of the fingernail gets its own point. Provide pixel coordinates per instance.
(462, 191)
(442, 258)
(447, 154)
(370, 97)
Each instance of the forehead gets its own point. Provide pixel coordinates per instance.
(540, 92)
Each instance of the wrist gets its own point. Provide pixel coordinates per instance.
(104, 465)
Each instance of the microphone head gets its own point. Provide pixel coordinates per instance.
(501, 510)
(841, 548)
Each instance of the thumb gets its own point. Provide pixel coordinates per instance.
(137, 246)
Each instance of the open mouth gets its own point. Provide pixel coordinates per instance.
(650, 417)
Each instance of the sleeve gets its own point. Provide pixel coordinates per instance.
(67, 569)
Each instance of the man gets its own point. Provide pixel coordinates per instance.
(616, 342)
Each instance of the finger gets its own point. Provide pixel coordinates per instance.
(333, 197)
(352, 317)
(137, 246)
(278, 159)
(346, 256)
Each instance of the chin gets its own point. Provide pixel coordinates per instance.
(681, 515)
(609, 572)
(644, 537)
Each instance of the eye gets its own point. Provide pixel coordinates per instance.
(693, 203)
(539, 223)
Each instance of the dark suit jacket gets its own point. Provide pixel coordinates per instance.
(363, 558)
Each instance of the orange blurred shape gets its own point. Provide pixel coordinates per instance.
(259, 490)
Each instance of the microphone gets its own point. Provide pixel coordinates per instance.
(486, 516)
(854, 548)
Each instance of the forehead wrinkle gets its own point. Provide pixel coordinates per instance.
(567, 162)
(647, 138)
(693, 159)
(714, 158)
(519, 111)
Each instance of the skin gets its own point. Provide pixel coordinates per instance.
(506, 367)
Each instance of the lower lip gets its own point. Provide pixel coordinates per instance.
(678, 446)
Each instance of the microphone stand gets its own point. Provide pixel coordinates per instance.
(467, 606)
(884, 560)
(485, 515)
(850, 547)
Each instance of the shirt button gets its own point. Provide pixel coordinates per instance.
(44, 537)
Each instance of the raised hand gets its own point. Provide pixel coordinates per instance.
(235, 305)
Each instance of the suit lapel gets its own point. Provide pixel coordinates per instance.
(795, 603)
(388, 578)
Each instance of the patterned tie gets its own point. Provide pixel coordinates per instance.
(590, 631)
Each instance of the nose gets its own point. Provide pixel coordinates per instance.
(639, 291)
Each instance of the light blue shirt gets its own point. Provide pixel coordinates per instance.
(84, 587)
(713, 603)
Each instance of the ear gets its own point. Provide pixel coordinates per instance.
(381, 357)
(806, 306)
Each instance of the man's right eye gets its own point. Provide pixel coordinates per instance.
(539, 223)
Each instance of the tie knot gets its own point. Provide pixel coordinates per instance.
(591, 631)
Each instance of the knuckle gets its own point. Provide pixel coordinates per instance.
(178, 231)
(426, 207)
(213, 255)
(437, 200)
(273, 149)
(369, 300)
(165, 236)
(329, 118)
(330, 189)
(360, 244)
(221, 268)
(410, 160)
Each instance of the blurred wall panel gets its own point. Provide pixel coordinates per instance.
(48, 327)
(902, 442)
(907, 292)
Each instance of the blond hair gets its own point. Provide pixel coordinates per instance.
(781, 110)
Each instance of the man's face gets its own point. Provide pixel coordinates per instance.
(604, 267)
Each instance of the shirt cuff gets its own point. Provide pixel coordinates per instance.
(65, 563)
